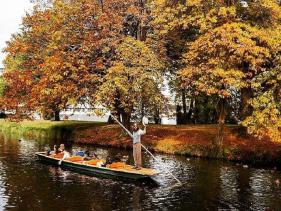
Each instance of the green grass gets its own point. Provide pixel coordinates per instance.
(44, 124)
(39, 128)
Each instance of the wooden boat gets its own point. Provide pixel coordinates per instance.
(142, 175)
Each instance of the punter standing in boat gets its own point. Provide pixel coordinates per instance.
(137, 133)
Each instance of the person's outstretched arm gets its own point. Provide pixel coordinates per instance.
(142, 132)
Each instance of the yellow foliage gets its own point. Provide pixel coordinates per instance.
(135, 78)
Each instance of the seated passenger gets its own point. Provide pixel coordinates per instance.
(54, 151)
(64, 152)
(80, 153)
(47, 150)
(110, 160)
(90, 156)
(61, 148)
(87, 156)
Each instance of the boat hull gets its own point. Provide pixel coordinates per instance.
(95, 170)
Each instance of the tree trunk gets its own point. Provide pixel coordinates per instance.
(179, 114)
(196, 111)
(101, 4)
(117, 108)
(43, 115)
(157, 118)
(142, 109)
(205, 111)
(246, 109)
(221, 121)
(47, 114)
(57, 115)
(183, 95)
(126, 120)
(190, 112)
(141, 33)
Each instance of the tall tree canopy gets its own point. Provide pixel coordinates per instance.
(134, 81)
(61, 53)
(227, 46)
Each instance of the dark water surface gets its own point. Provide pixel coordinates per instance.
(26, 184)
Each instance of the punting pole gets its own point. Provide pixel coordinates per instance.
(159, 162)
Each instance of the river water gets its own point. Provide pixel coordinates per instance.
(26, 184)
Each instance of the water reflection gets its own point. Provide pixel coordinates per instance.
(3, 196)
(229, 187)
(213, 185)
(260, 189)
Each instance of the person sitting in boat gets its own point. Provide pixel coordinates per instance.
(64, 152)
(61, 148)
(90, 156)
(80, 153)
(54, 151)
(137, 133)
(112, 159)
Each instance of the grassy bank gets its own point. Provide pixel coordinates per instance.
(191, 141)
(44, 129)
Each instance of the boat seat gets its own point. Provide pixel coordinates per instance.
(75, 159)
(59, 155)
(117, 165)
(93, 162)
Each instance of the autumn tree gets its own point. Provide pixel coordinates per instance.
(134, 81)
(176, 23)
(59, 57)
(265, 120)
(2, 89)
(228, 46)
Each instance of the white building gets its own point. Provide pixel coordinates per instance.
(85, 112)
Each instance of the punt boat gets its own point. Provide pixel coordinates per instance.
(128, 173)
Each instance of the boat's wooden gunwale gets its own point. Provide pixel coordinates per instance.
(138, 173)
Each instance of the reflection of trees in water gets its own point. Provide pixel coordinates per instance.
(206, 185)
(249, 189)
(260, 190)
(9, 149)
(3, 196)
(229, 187)
(14, 179)
(243, 186)
(136, 198)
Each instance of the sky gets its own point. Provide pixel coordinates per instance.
(11, 13)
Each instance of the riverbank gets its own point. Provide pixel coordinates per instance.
(188, 140)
